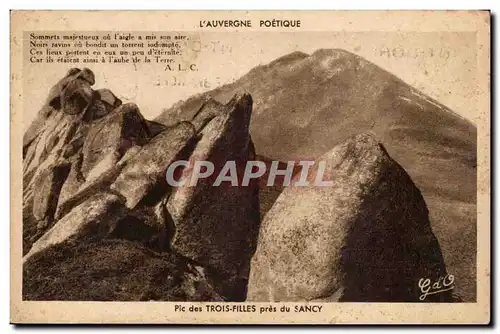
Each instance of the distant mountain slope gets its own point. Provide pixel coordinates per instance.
(306, 104)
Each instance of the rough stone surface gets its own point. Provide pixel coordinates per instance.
(217, 226)
(147, 168)
(88, 162)
(155, 127)
(77, 97)
(73, 147)
(41, 156)
(85, 189)
(110, 99)
(110, 137)
(73, 182)
(366, 238)
(97, 212)
(55, 92)
(47, 147)
(206, 113)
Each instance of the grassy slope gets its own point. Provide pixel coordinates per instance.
(304, 105)
(111, 270)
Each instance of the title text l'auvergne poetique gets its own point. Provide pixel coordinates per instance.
(274, 23)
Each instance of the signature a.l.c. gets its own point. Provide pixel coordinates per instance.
(427, 287)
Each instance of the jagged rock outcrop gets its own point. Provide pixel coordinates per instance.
(78, 136)
(53, 102)
(217, 226)
(365, 238)
(94, 171)
(109, 99)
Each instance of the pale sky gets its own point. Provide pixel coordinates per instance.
(442, 65)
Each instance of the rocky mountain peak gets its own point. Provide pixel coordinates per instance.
(94, 170)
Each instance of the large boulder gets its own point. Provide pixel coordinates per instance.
(57, 132)
(77, 97)
(147, 168)
(45, 169)
(105, 145)
(364, 238)
(110, 137)
(54, 96)
(48, 146)
(73, 145)
(217, 226)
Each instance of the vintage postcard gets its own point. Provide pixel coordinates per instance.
(250, 167)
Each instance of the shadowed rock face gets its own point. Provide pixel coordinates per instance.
(218, 226)
(365, 238)
(322, 99)
(48, 184)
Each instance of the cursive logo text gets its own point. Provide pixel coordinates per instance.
(427, 287)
